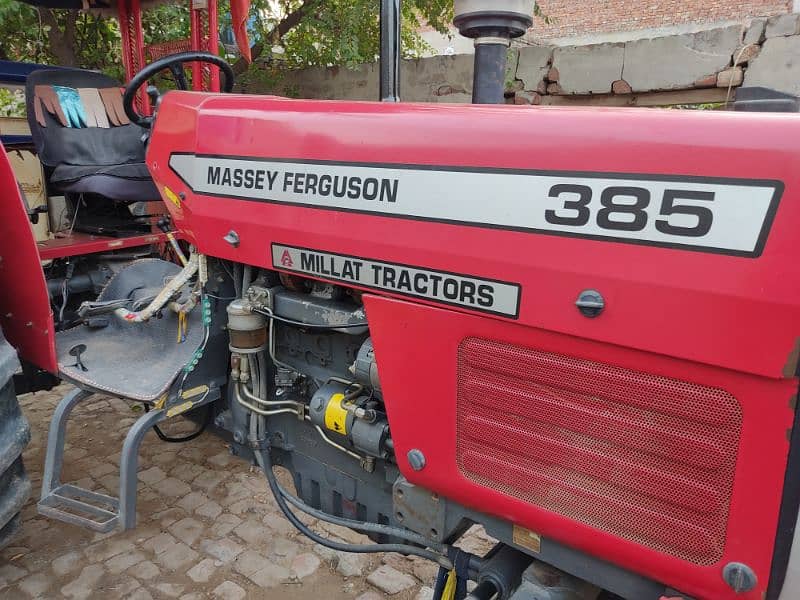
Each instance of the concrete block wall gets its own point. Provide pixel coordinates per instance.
(435, 79)
(764, 52)
(571, 18)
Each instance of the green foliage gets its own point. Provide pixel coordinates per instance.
(166, 22)
(333, 32)
(77, 38)
(330, 31)
(292, 33)
(347, 32)
(12, 103)
(21, 37)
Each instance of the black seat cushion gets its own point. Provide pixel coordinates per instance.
(111, 160)
(127, 182)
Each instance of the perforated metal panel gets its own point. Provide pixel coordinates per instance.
(643, 457)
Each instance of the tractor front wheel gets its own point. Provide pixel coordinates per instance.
(15, 433)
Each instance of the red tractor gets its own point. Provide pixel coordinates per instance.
(574, 327)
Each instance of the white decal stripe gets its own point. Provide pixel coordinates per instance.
(470, 292)
(740, 209)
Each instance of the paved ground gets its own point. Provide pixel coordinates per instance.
(207, 528)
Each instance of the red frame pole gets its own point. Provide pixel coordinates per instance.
(205, 38)
(213, 43)
(194, 23)
(130, 26)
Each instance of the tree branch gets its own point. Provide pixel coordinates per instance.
(62, 44)
(289, 22)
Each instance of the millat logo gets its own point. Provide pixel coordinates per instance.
(286, 259)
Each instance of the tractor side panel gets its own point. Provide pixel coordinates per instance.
(658, 464)
(25, 314)
(730, 309)
(655, 435)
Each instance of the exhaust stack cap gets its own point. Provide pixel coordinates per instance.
(489, 18)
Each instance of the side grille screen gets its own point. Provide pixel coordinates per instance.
(643, 457)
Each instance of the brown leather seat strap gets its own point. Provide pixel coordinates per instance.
(93, 107)
(49, 99)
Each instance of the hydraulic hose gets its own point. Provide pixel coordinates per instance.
(164, 295)
(275, 403)
(260, 411)
(265, 462)
(409, 536)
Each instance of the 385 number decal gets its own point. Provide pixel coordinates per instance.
(624, 208)
(707, 214)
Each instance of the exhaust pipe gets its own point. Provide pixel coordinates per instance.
(390, 50)
(492, 24)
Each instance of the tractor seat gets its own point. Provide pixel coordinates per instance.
(104, 160)
(127, 182)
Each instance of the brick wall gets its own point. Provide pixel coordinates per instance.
(587, 17)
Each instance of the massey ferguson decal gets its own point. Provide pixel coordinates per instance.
(475, 293)
(728, 216)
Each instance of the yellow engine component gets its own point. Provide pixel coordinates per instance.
(336, 414)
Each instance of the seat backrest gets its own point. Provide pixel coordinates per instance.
(86, 146)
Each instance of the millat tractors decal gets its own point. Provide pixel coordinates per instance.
(474, 293)
(727, 216)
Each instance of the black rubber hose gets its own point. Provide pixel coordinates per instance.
(379, 528)
(265, 462)
(180, 440)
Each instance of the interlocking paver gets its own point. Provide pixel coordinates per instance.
(208, 528)
(225, 549)
(351, 565)
(176, 556)
(227, 590)
(159, 543)
(270, 576)
(210, 510)
(140, 594)
(106, 549)
(121, 562)
(10, 573)
(224, 524)
(187, 530)
(390, 580)
(248, 562)
(304, 565)
(122, 587)
(193, 501)
(170, 590)
(36, 585)
(202, 571)
(171, 486)
(152, 475)
(82, 587)
(424, 593)
(145, 570)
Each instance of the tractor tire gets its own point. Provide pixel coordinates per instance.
(15, 433)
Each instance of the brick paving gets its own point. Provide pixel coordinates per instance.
(207, 527)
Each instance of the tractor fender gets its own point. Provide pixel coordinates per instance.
(25, 315)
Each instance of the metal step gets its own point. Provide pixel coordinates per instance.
(69, 503)
(93, 510)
